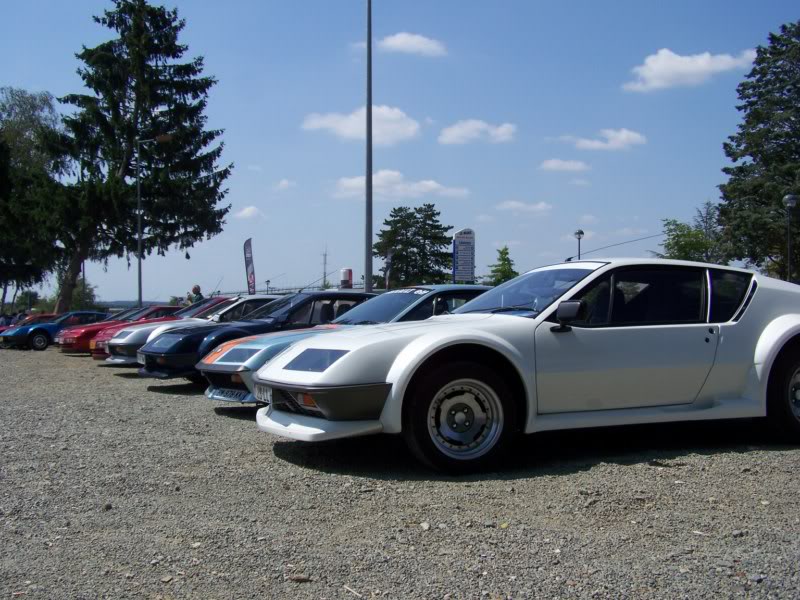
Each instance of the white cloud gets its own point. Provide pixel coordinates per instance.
(358, 45)
(580, 182)
(389, 125)
(249, 212)
(484, 219)
(556, 164)
(537, 208)
(665, 69)
(611, 139)
(471, 130)
(393, 184)
(284, 184)
(630, 231)
(255, 168)
(412, 43)
(588, 219)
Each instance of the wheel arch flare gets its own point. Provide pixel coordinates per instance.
(414, 361)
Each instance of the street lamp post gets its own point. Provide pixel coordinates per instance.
(368, 179)
(578, 235)
(789, 201)
(161, 139)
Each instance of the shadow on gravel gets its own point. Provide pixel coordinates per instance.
(184, 389)
(128, 375)
(548, 453)
(245, 413)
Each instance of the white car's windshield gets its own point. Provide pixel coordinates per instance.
(531, 292)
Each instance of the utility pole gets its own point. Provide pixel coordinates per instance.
(368, 181)
(325, 268)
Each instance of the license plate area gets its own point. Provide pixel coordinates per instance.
(140, 358)
(230, 394)
(263, 394)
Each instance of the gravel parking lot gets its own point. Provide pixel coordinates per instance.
(113, 486)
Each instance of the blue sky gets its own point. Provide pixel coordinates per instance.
(523, 120)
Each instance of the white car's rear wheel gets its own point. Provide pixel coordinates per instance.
(783, 395)
(460, 418)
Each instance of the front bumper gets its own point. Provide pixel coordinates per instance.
(98, 349)
(344, 403)
(223, 384)
(15, 341)
(122, 354)
(311, 429)
(169, 366)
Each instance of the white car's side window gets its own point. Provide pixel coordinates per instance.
(645, 297)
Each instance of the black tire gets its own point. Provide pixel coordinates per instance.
(38, 340)
(196, 378)
(477, 392)
(783, 395)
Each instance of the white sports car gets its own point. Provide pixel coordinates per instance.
(578, 344)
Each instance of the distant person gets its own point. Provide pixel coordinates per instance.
(4, 320)
(196, 295)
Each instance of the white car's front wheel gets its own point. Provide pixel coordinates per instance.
(460, 418)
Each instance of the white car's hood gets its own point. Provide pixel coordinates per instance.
(369, 351)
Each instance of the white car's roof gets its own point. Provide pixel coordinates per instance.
(595, 263)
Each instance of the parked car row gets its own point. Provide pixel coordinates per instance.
(460, 370)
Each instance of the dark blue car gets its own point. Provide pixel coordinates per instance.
(176, 352)
(39, 336)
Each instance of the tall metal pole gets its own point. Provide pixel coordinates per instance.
(139, 213)
(789, 245)
(368, 181)
(789, 201)
(579, 248)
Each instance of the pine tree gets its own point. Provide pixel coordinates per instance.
(766, 155)
(419, 246)
(503, 269)
(140, 89)
(396, 239)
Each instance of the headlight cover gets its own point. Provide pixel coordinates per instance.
(237, 355)
(122, 334)
(164, 341)
(315, 360)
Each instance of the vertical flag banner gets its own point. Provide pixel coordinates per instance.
(464, 256)
(248, 266)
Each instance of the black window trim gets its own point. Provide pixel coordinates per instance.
(704, 290)
(748, 297)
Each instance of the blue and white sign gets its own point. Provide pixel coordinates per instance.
(464, 256)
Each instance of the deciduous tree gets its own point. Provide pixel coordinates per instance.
(700, 240)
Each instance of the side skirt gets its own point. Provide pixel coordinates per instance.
(736, 408)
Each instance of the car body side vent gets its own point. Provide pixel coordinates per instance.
(746, 302)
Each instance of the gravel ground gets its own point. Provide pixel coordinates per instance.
(113, 486)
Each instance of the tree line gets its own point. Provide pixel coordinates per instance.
(68, 189)
(751, 223)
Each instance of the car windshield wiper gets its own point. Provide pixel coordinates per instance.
(499, 309)
(519, 307)
(366, 323)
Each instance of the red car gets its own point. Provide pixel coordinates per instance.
(31, 319)
(77, 339)
(98, 345)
